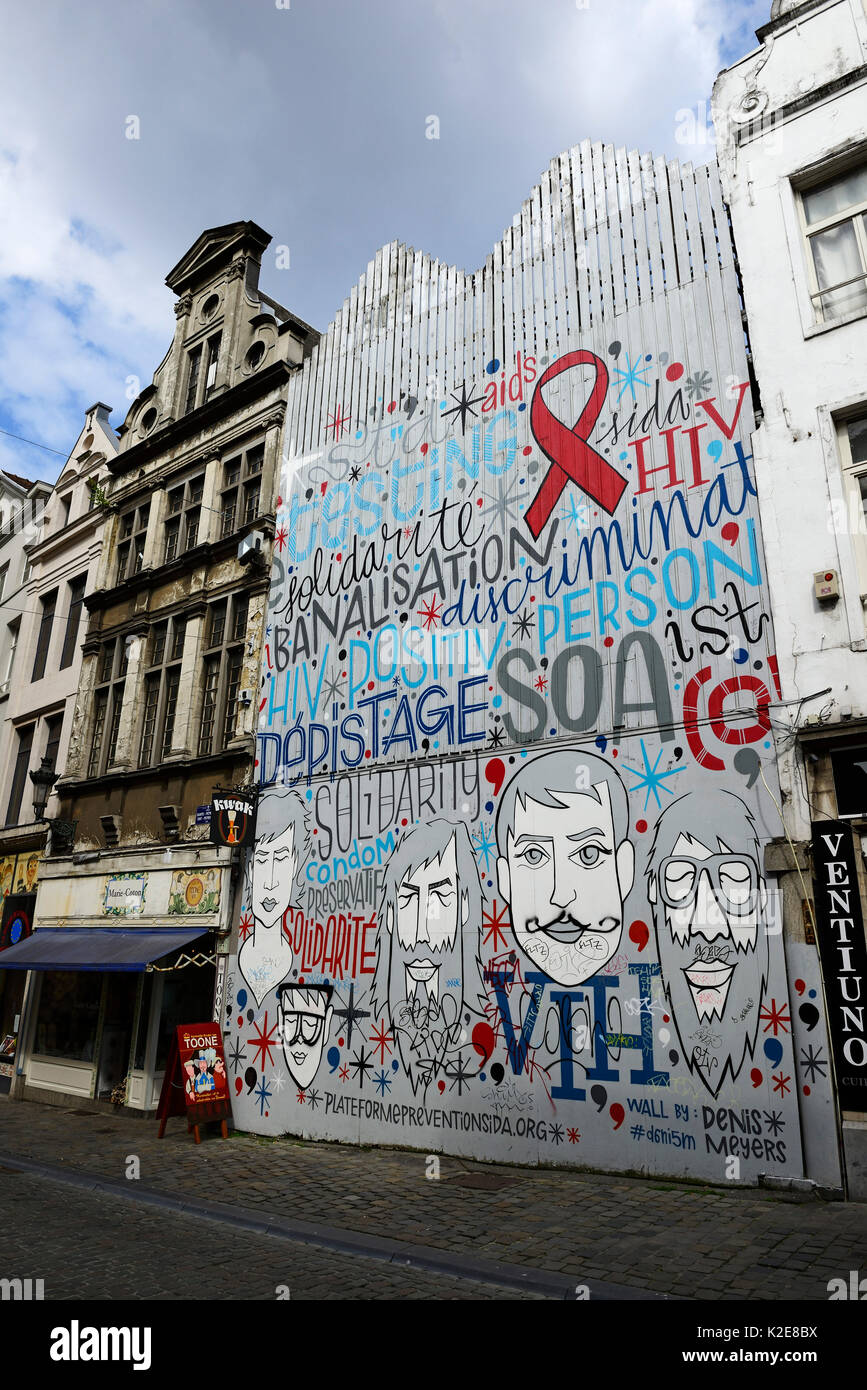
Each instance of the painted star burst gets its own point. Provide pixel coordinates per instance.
(813, 1063)
(494, 921)
(263, 1095)
(503, 507)
(430, 614)
(634, 373)
(382, 1082)
(263, 1042)
(382, 1041)
(578, 513)
(651, 779)
(483, 846)
(775, 1017)
(361, 1065)
(461, 1075)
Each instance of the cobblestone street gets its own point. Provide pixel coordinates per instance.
(640, 1237)
(88, 1245)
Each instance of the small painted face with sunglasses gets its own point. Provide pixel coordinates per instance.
(305, 1018)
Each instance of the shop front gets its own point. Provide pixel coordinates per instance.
(19, 872)
(124, 951)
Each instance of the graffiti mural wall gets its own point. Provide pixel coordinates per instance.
(507, 897)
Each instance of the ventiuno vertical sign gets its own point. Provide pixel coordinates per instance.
(844, 956)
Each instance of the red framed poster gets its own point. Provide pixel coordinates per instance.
(195, 1082)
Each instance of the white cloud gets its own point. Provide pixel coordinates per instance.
(311, 122)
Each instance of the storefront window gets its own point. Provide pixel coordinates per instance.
(188, 997)
(68, 1014)
(141, 1040)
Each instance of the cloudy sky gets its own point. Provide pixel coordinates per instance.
(309, 117)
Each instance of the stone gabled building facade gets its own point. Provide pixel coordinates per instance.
(168, 702)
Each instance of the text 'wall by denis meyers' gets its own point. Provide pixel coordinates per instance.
(507, 896)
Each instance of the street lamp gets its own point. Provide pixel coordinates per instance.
(43, 780)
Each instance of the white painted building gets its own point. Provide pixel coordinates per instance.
(41, 681)
(791, 122)
(47, 568)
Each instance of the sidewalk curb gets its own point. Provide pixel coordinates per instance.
(421, 1257)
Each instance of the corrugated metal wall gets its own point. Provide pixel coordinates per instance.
(514, 719)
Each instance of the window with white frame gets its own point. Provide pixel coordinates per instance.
(132, 534)
(107, 705)
(834, 216)
(183, 514)
(13, 629)
(161, 685)
(200, 384)
(240, 500)
(225, 631)
(852, 434)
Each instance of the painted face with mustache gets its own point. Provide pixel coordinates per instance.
(565, 880)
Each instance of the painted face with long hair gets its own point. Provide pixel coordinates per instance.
(709, 904)
(432, 898)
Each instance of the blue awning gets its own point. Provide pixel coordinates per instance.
(94, 948)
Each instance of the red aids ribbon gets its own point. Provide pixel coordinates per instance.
(570, 454)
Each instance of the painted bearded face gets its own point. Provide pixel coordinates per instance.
(565, 879)
(426, 926)
(713, 949)
(426, 937)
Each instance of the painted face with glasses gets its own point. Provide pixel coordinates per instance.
(714, 901)
(305, 1019)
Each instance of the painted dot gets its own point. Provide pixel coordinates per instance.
(391, 407)
(493, 366)
(675, 371)
(404, 821)
(528, 450)
(340, 1042)
(641, 826)
(608, 642)
(806, 1090)
(812, 994)
(370, 685)
(523, 405)
(614, 348)
(666, 1018)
